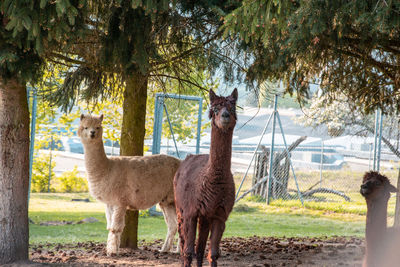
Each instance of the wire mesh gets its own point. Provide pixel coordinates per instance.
(180, 126)
(327, 158)
(324, 159)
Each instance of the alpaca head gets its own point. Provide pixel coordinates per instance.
(90, 128)
(376, 186)
(223, 110)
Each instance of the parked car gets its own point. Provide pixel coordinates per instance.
(73, 144)
(65, 143)
(111, 147)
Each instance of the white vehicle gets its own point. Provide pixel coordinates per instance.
(111, 147)
(65, 143)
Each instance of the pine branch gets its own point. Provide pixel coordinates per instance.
(188, 52)
(179, 79)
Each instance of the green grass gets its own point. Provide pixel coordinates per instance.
(249, 218)
(344, 180)
(289, 225)
(150, 228)
(66, 233)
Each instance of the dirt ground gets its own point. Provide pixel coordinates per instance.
(253, 251)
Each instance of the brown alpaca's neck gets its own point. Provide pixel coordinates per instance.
(96, 160)
(220, 149)
(375, 230)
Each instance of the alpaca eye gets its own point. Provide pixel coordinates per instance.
(85, 128)
(97, 128)
(216, 110)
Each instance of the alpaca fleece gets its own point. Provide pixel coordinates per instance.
(204, 187)
(127, 182)
(382, 243)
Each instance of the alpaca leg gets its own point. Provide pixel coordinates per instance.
(204, 230)
(172, 225)
(181, 237)
(189, 232)
(217, 229)
(114, 234)
(109, 212)
(178, 245)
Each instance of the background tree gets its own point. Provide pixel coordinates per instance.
(340, 118)
(27, 28)
(133, 44)
(347, 46)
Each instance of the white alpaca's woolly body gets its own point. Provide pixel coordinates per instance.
(134, 182)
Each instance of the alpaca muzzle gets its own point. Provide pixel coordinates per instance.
(225, 118)
(365, 190)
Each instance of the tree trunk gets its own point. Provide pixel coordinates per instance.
(14, 171)
(397, 207)
(132, 140)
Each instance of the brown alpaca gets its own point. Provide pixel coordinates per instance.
(204, 187)
(382, 244)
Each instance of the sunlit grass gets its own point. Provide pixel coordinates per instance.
(61, 202)
(281, 218)
(344, 180)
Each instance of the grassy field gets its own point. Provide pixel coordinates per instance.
(281, 218)
(344, 180)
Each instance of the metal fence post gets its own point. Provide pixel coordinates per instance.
(51, 149)
(378, 156)
(32, 141)
(271, 156)
(157, 128)
(321, 163)
(199, 126)
(375, 137)
(370, 155)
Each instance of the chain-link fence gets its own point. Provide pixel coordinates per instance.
(58, 151)
(298, 154)
(307, 155)
(178, 126)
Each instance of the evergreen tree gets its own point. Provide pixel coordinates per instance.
(27, 29)
(348, 46)
(135, 43)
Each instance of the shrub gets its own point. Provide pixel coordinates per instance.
(71, 181)
(40, 173)
(144, 213)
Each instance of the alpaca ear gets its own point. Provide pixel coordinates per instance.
(235, 94)
(82, 116)
(101, 117)
(212, 96)
(210, 113)
(392, 188)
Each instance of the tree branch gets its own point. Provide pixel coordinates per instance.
(386, 141)
(179, 79)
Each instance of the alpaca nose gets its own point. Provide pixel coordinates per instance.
(225, 114)
(92, 132)
(363, 186)
(364, 189)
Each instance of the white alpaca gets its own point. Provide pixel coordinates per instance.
(136, 182)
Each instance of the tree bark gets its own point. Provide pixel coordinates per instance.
(14, 171)
(132, 140)
(397, 207)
